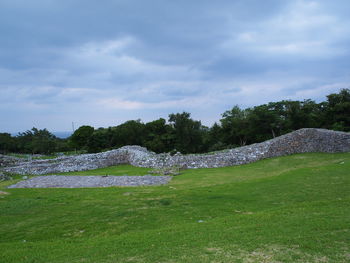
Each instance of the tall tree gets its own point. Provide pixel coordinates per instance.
(128, 133)
(7, 143)
(187, 132)
(338, 110)
(215, 138)
(80, 138)
(158, 136)
(36, 141)
(99, 140)
(235, 126)
(43, 141)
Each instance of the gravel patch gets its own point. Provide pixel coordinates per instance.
(62, 181)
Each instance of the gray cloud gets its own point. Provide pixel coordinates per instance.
(104, 63)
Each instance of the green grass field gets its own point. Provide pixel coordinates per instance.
(287, 209)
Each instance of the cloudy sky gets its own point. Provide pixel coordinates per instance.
(104, 62)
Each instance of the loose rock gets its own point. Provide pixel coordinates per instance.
(61, 181)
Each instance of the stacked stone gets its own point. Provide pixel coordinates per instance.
(6, 160)
(300, 141)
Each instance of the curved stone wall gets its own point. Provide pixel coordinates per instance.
(300, 141)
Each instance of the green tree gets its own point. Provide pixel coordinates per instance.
(7, 143)
(43, 141)
(128, 133)
(265, 122)
(99, 140)
(337, 113)
(80, 138)
(235, 126)
(187, 133)
(215, 138)
(158, 136)
(36, 141)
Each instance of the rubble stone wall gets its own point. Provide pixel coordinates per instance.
(6, 160)
(300, 141)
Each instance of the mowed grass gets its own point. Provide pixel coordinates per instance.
(288, 209)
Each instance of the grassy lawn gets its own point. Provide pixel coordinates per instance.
(287, 209)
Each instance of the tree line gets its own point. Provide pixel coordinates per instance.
(180, 132)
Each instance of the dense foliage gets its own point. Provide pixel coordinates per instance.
(237, 127)
(33, 141)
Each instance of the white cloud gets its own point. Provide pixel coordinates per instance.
(114, 57)
(319, 92)
(109, 47)
(115, 103)
(304, 28)
(247, 37)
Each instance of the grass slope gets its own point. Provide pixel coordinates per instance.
(287, 209)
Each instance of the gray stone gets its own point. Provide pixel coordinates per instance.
(61, 181)
(300, 141)
(6, 160)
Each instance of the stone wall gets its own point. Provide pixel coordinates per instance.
(300, 141)
(6, 160)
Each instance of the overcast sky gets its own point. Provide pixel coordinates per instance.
(101, 63)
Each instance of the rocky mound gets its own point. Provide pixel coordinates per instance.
(300, 141)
